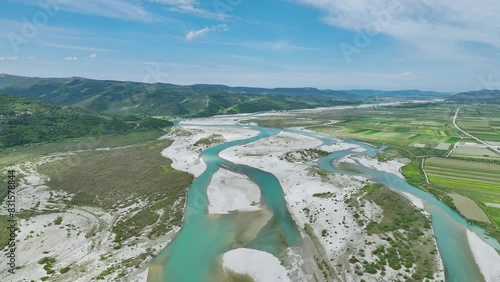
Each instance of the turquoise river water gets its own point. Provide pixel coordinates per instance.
(192, 255)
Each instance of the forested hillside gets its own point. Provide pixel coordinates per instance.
(125, 98)
(25, 122)
(482, 96)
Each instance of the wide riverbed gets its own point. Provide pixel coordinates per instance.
(194, 252)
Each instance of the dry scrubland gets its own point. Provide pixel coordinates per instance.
(17, 155)
(114, 207)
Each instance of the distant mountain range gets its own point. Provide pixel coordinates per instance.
(481, 96)
(37, 110)
(126, 98)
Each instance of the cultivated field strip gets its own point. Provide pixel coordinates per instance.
(479, 181)
(472, 175)
(464, 165)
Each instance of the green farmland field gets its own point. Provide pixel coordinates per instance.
(452, 140)
(399, 126)
(478, 181)
(481, 121)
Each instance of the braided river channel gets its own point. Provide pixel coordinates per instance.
(193, 254)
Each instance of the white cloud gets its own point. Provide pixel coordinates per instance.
(93, 56)
(31, 58)
(71, 59)
(193, 34)
(407, 74)
(13, 58)
(193, 7)
(438, 29)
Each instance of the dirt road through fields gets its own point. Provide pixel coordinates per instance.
(491, 147)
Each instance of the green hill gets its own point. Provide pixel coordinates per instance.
(24, 121)
(125, 98)
(481, 96)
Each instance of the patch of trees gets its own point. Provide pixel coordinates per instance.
(26, 122)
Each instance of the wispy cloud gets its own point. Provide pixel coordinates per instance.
(93, 56)
(74, 47)
(248, 58)
(438, 29)
(267, 45)
(193, 34)
(118, 9)
(8, 26)
(13, 58)
(285, 45)
(192, 7)
(71, 59)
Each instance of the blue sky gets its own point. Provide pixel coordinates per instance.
(383, 44)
